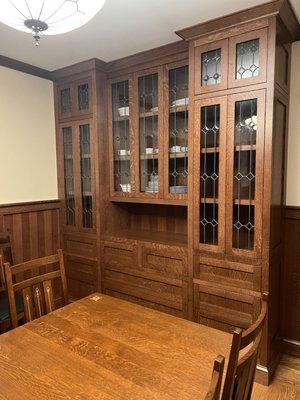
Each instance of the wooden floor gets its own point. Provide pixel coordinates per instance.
(286, 384)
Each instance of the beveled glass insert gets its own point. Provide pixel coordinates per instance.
(178, 130)
(247, 59)
(65, 101)
(244, 173)
(69, 175)
(86, 177)
(121, 136)
(209, 174)
(148, 132)
(83, 96)
(211, 67)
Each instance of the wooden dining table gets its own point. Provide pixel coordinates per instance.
(102, 347)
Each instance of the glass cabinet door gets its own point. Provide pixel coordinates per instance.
(247, 58)
(74, 98)
(148, 127)
(178, 132)
(246, 141)
(211, 67)
(68, 161)
(64, 95)
(86, 176)
(210, 180)
(121, 147)
(83, 97)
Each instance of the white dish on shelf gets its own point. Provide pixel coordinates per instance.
(123, 152)
(126, 187)
(183, 149)
(180, 102)
(149, 150)
(123, 111)
(154, 109)
(178, 189)
(175, 149)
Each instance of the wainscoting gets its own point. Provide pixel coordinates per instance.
(34, 228)
(290, 282)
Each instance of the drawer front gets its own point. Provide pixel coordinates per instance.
(165, 263)
(223, 308)
(144, 289)
(81, 276)
(83, 247)
(118, 255)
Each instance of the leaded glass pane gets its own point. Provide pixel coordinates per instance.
(83, 96)
(121, 139)
(209, 174)
(65, 101)
(86, 177)
(244, 173)
(247, 59)
(211, 67)
(69, 175)
(178, 130)
(148, 132)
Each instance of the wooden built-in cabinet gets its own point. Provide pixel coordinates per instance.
(171, 166)
(148, 135)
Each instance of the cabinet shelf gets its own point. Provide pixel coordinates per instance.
(178, 109)
(148, 114)
(120, 119)
(146, 200)
(242, 202)
(244, 147)
(168, 238)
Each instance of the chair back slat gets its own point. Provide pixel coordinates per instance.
(37, 291)
(241, 368)
(216, 379)
(49, 296)
(28, 306)
(38, 300)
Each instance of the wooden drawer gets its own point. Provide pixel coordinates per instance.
(165, 263)
(118, 255)
(145, 289)
(81, 275)
(224, 307)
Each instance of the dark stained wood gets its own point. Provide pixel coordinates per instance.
(78, 68)
(290, 280)
(37, 291)
(240, 373)
(216, 379)
(273, 8)
(65, 354)
(24, 67)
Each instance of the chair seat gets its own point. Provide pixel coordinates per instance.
(4, 310)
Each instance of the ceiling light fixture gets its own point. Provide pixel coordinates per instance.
(49, 17)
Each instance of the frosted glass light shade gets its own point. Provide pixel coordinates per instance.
(60, 16)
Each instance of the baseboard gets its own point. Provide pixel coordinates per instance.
(291, 347)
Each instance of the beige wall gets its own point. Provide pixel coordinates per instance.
(293, 164)
(27, 138)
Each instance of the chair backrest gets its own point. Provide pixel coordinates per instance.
(216, 380)
(5, 255)
(37, 291)
(241, 369)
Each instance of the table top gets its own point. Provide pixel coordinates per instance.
(102, 347)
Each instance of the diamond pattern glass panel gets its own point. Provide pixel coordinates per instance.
(244, 173)
(211, 67)
(121, 139)
(247, 59)
(69, 176)
(83, 96)
(148, 132)
(65, 101)
(178, 130)
(86, 177)
(209, 174)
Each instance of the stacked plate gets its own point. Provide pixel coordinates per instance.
(178, 189)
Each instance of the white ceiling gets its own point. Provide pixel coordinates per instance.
(122, 28)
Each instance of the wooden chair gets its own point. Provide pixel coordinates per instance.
(6, 255)
(241, 370)
(216, 380)
(37, 291)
